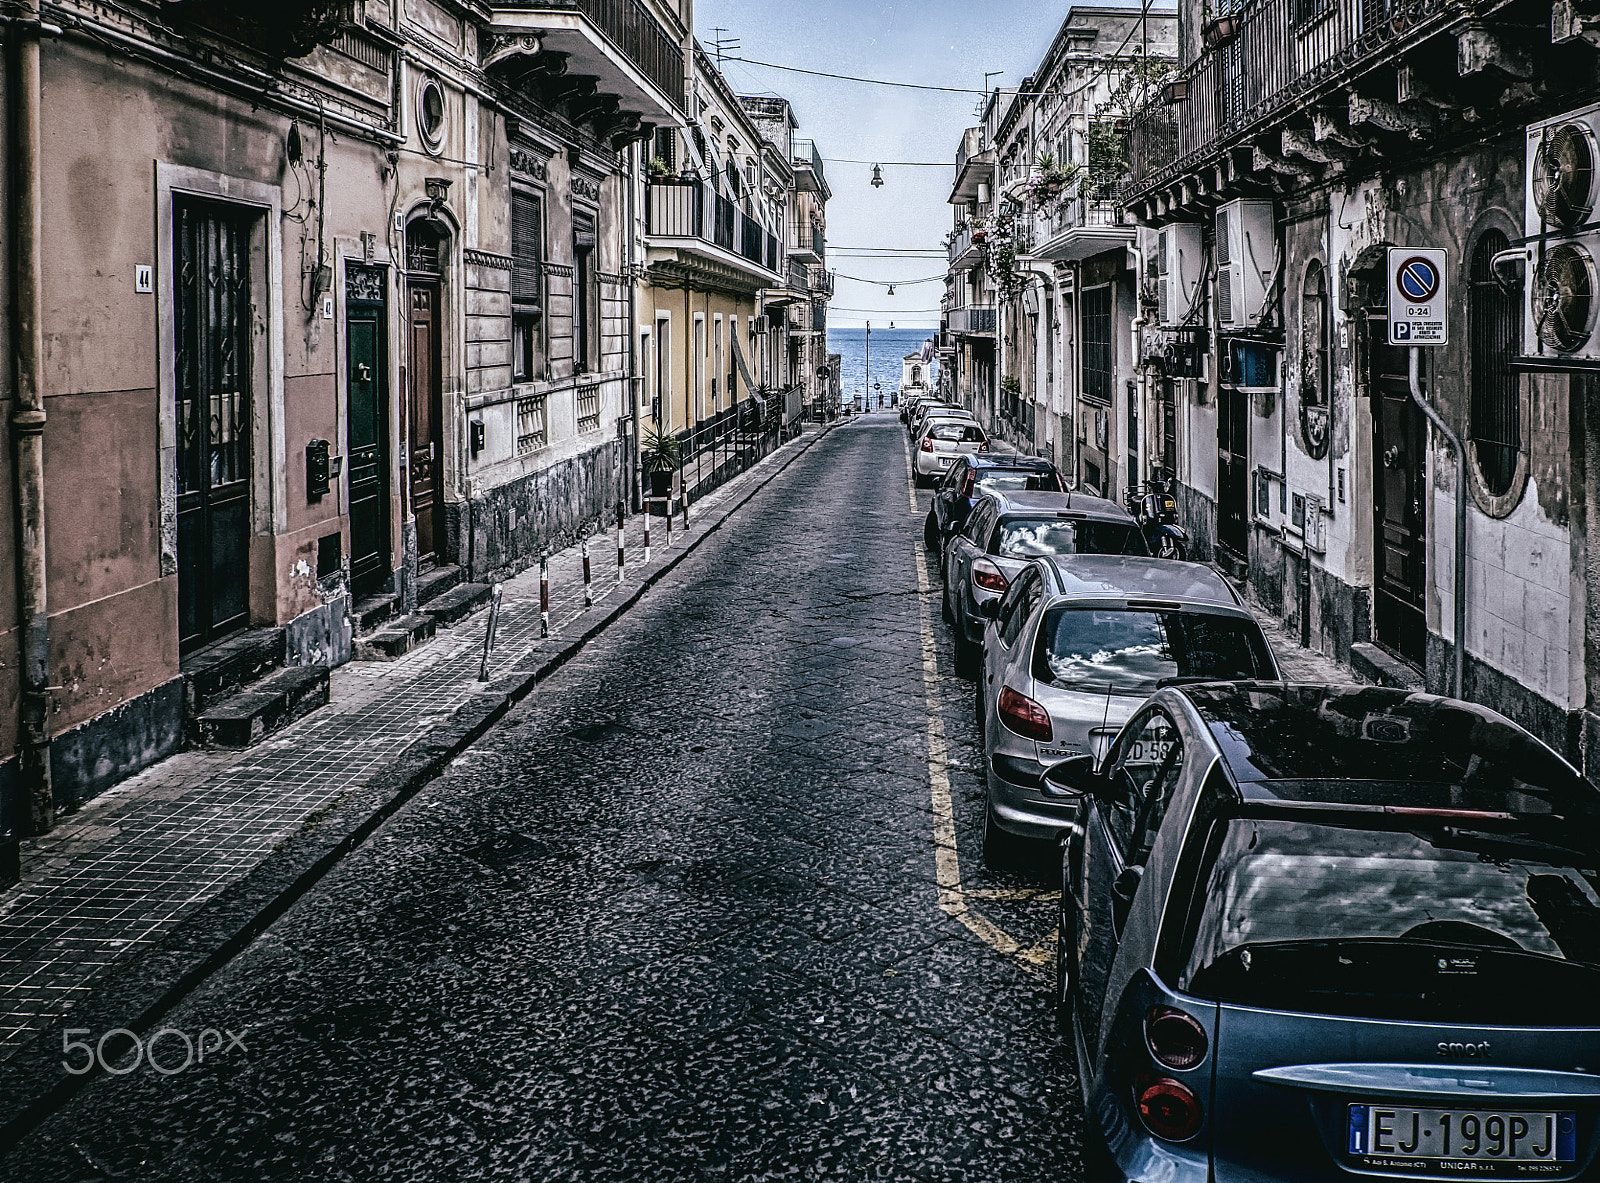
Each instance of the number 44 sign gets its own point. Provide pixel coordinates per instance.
(1417, 296)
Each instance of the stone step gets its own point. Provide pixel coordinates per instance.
(221, 670)
(1372, 664)
(462, 600)
(372, 611)
(434, 582)
(268, 705)
(396, 639)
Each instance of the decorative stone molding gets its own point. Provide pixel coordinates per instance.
(562, 269)
(586, 187)
(529, 165)
(487, 259)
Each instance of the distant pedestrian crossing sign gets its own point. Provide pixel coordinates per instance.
(1417, 303)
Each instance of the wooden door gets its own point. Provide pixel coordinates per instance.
(367, 422)
(1233, 470)
(1399, 508)
(427, 450)
(213, 418)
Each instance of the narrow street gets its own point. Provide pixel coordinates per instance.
(691, 912)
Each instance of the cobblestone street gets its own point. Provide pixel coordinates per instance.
(709, 905)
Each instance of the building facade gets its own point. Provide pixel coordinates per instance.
(1432, 525)
(317, 326)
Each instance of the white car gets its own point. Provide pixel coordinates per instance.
(941, 441)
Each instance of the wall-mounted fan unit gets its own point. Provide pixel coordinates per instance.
(1559, 217)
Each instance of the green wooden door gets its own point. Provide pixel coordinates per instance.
(367, 422)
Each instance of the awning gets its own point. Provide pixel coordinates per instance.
(744, 372)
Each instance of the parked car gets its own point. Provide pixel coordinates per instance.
(975, 475)
(1316, 932)
(940, 441)
(1070, 651)
(1004, 534)
(929, 411)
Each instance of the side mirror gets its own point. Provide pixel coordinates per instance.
(1075, 776)
(989, 609)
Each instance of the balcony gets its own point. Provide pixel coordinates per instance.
(809, 243)
(689, 225)
(1284, 57)
(808, 174)
(964, 253)
(612, 62)
(975, 320)
(1081, 225)
(973, 167)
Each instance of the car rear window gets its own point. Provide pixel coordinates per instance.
(1137, 651)
(1022, 538)
(956, 432)
(1435, 922)
(1014, 480)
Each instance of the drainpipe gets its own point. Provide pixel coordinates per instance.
(27, 431)
(1459, 658)
(635, 475)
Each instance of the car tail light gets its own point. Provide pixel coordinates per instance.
(1024, 716)
(1176, 1039)
(987, 576)
(1167, 1108)
(983, 447)
(966, 485)
(927, 444)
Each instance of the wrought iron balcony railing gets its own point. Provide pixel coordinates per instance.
(690, 209)
(633, 31)
(1275, 53)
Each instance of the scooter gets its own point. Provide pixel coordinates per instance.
(1156, 510)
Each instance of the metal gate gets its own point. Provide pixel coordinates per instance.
(213, 367)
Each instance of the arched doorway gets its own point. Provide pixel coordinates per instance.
(426, 243)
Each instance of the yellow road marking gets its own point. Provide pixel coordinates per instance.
(953, 898)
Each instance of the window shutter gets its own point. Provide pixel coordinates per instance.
(527, 249)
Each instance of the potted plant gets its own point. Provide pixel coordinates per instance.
(657, 168)
(658, 452)
(980, 230)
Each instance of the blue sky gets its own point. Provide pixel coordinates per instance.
(935, 42)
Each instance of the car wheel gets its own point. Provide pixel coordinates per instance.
(930, 533)
(1002, 850)
(968, 656)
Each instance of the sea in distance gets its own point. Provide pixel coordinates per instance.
(889, 346)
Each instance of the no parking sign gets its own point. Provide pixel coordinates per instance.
(1417, 296)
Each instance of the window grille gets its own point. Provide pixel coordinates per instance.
(1099, 349)
(1495, 408)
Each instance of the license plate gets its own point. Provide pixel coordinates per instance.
(1462, 1141)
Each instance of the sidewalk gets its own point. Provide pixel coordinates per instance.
(119, 886)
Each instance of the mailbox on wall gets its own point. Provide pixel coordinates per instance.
(318, 472)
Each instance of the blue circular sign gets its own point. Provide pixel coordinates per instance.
(1418, 279)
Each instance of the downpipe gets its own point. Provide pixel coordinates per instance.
(1459, 657)
(27, 433)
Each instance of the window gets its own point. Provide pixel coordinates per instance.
(527, 286)
(699, 363)
(1124, 651)
(1495, 409)
(1099, 360)
(1018, 606)
(665, 148)
(1024, 538)
(585, 297)
(1142, 772)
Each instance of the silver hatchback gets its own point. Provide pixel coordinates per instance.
(1071, 650)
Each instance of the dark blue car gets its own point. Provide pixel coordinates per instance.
(975, 475)
(1310, 932)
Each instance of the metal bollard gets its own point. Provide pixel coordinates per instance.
(488, 635)
(588, 580)
(686, 511)
(622, 553)
(668, 507)
(647, 508)
(544, 595)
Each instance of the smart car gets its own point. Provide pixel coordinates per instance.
(1317, 932)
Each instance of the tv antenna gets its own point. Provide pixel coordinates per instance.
(723, 45)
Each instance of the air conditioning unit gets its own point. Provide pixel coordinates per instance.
(1178, 275)
(1246, 255)
(1563, 188)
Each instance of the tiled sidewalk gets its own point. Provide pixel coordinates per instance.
(118, 875)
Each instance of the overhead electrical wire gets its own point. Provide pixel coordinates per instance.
(856, 78)
(890, 283)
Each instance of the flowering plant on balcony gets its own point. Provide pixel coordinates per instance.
(657, 168)
(1051, 179)
(980, 229)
